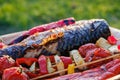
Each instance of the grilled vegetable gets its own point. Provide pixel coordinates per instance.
(96, 54)
(43, 28)
(33, 67)
(103, 43)
(66, 61)
(26, 61)
(77, 58)
(14, 73)
(71, 68)
(6, 62)
(49, 66)
(114, 49)
(60, 40)
(59, 64)
(43, 64)
(112, 40)
(85, 48)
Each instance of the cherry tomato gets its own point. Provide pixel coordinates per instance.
(112, 40)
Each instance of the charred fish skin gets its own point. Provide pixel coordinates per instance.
(86, 33)
(82, 32)
(50, 43)
(13, 51)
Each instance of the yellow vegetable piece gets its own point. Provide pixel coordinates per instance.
(71, 68)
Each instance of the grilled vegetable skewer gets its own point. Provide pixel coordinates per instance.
(82, 65)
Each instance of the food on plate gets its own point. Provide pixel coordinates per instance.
(42, 28)
(60, 40)
(83, 49)
(49, 64)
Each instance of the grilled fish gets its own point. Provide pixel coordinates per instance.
(59, 40)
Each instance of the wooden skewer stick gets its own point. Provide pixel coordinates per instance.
(54, 65)
(83, 65)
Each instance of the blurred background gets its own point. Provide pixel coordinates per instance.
(18, 15)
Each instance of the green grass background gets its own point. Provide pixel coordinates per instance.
(18, 15)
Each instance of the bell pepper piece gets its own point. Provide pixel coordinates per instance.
(71, 68)
(14, 73)
(118, 47)
(100, 52)
(27, 61)
(112, 40)
(2, 45)
(42, 61)
(6, 62)
(66, 61)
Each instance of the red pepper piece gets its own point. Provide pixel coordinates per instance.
(66, 61)
(1, 45)
(6, 62)
(96, 54)
(85, 48)
(112, 40)
(14, 73)
(27, 61)
(102, 52)
(52, 59)
(43, 64)
(118, 47)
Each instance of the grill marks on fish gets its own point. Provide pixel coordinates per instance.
(60, 40)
